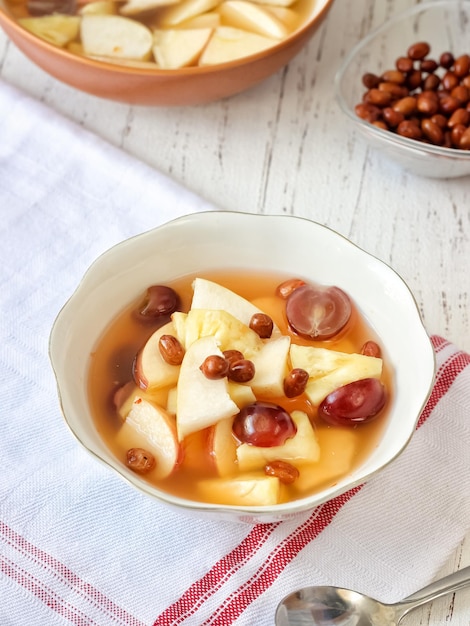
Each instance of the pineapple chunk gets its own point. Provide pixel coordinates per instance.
(210, 295)
(301, 448)
(242, 395)
(329, 369)
(249, 490)
(228, 331)
(338, 448)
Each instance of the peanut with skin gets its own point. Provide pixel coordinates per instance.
(421, 98)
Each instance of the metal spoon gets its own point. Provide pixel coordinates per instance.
(332, 606)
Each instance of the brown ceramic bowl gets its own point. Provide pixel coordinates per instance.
(142, 86)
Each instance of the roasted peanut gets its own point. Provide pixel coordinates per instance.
(283, 470)
(171, 349)
(371, 348)
(432, 131)
(140, 460)
(465, 140)
(232, 355)
(295, 382)
(462, 65)
(215, 367)
(409, 129)
(288, 286)
(419, 50)
(241, 371)
(262, 324)
(421, 98)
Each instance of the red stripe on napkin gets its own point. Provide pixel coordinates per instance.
(285, 552)
(206, 586)
(65, 576)
(44, 593)
(279, 558)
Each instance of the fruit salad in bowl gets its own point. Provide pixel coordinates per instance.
(231, 383)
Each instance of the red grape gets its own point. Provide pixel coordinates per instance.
(318, 312)
(263, 424)
(355, 403)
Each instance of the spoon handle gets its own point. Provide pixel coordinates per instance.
(439, 588)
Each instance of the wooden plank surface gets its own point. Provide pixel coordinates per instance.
(285, 147)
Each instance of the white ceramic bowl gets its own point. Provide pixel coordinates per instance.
(202, 242)
(444, 25)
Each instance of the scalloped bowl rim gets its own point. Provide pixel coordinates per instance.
(198, 230)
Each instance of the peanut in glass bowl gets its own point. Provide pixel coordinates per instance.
(136, 85)
(443, 24)
(207, 242)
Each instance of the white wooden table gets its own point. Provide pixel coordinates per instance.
(284, 147)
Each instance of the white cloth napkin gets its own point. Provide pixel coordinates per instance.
(78, 545)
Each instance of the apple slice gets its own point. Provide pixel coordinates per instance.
(228, 331)
(338, 449)
(210, 295)
(241, 394)
(148, 426)
(228, 43)
(136, 7)
(271, 368)
(223, 447)
(252, 17)
(185, 10)
(287, 16)
(211, 19)
(301, 448)
(115, 36)
(124, 398)
(56, 29)
(276, 3)
(329, 369)
(179, 48)
(201, 402)
(171, 401)
(249, 490)
(151, 371)
(99, 7)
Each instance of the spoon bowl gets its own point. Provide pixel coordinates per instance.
(333, 606)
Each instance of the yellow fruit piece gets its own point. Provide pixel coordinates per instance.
(300, 449)
(338, 449)
(252, 17)
(249, 490)
(175, 48)
(228, 331)
(56, 29)
(228, 44)
(100, 7)
(329, 369)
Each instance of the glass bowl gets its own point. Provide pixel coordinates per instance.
(444, 25)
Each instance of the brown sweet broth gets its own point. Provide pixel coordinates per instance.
(112, 361)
